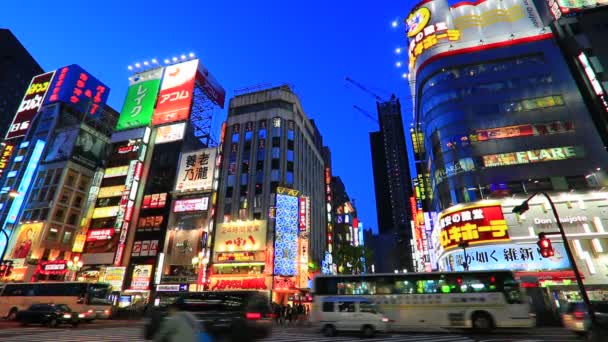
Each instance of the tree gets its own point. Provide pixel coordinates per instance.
(353, 259)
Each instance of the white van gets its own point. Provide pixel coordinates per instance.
(347, 313)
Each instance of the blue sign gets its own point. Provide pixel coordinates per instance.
(28, 175)
(73, 85)
(516, 257)
(286, 236)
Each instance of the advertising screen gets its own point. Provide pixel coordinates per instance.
(28, 235)
(175, 96)
(210, 86)
(191, 204)
(29, 106)
(73, 85)
(474, 224)
(523, 130)
(196, 170)
(286, 235)
(240, 236)
(139, 104)
(62, 145)
(89, 149)
(175, 132)
(533, 156)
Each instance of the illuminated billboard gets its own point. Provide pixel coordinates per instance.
(286, 235)
(30, 105)
(89, 149)
(532, 156)
(240, 236)
(27, 236)
(191, 204)
(210, 86)
(73, 85)
(196, 170)
(169, 133)
(523, 130)
(61, 147)
(141, 277)
(475, 223)
(26, 180)
(175, 96)
(139, 104)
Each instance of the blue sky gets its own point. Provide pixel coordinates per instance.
(312, 45)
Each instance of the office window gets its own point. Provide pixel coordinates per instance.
(59, 215)
(276, 153)
(275, 164)
(53, 234)
(275, 175)
(67, 237)
(290, 155)
(229, 191)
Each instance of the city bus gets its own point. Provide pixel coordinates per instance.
(93, 300)
(415, 301)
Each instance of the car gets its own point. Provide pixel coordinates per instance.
(51, 315)
(576, 317)
(227, 315)
(351, 314)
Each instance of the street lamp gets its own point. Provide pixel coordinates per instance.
(522, 208)
(74, 266)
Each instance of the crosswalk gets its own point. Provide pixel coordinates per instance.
(40, 334)
(290, 335)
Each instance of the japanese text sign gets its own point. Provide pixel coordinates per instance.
(30, 105)
(475, 224)
(139, 104)
(73, 85)
(240, 236)
(175, 96)
(238, 284)
(5, 157)
(100, 234)
(141, 277)
(196, 170)
(169, 133)
(302, 214)
(191, 204)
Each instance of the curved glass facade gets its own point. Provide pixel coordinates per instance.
(502, 121)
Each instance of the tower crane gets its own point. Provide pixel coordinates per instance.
(366, 113)
(362, 87)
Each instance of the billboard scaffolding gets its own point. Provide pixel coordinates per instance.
(201, 117)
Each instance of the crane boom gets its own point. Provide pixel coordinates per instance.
(366, 113)
(360, 86)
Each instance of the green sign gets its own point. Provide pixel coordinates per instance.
(139, 105)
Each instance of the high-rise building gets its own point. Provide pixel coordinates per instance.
(501, 121)
(272, 170)
(392, 180)
(58, 137)
(17, 68)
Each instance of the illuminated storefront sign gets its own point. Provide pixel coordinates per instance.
(100, 234)
(595, 83)
(145, 248)
(139, 104)
(516, 257)
(302, 214)
(475, 224)
(154, 201)
(114, 276)
(117, 171)
(240, 236)
(191, 204)
(284, 283)
(30, 105)
(286, 235)
(5, 157)
(105, 212)
(172, 288)
(111, 191)
(218, 284)
(523, 131)
(79, 242)
(417, 21)
(533, 156)
(175, 132)
(175, 96)
(141, 277)
(81, 90)
(303, 242)
(239, 256)
(196, 170)
(56, 267)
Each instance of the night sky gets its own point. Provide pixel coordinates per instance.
(312, 45)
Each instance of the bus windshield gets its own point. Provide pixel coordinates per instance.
(99, 294)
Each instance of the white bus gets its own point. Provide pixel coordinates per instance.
(415, 301)
(92, 300)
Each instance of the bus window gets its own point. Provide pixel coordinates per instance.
(99, 294)
(512, 292)
(328, 307)
(346, 306)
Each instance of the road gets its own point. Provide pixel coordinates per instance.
(115, 331)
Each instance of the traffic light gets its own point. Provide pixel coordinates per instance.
(546, 249)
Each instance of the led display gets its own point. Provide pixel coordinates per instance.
(286, 235)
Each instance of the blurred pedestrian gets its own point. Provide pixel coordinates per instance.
(277, 313)
(290, 313)
(179, 326)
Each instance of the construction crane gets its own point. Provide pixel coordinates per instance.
(366, 113)
(360, 86)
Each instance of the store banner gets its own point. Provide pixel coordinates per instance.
(240, 236)
(114, 276)
(175, 96)
(138, 107)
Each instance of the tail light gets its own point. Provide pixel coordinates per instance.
(90, 311)
(271, 315)
(107, 312)
(253, 315)
(579, 315)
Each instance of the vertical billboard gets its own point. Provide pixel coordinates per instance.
(139, 104)
(30, 105)
(196, 170)
(286, 235)
(175, 96)
(73, 85)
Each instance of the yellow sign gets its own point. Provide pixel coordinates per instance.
(28, 236)
(111, 191)
(116, 171)
(286, 191)
(79, 243)
(429, 38)
(105, 212)
(417, 21)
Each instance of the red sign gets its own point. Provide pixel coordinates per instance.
(30, 105)
(236, 256)
(100, 234)
(210, 86)
(284, 283)
(175, 96)
(154, 201)
(192, 204)
(238, 284)
(302, 214)
(475, 224)
(52, 267)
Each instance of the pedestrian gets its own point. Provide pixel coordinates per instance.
(179, 326)
(289, 313)
(277, 314)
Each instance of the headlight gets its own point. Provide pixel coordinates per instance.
(80, 315)
(385, 320)
(90, 310)
(67, 316)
